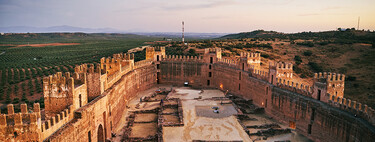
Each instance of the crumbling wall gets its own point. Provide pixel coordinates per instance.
(22, 126)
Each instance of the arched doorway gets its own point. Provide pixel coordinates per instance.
(100, 133)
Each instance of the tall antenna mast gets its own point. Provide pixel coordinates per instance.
(183, 30)
(358, 23)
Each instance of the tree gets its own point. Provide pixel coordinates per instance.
(307, 53)
(192, 52)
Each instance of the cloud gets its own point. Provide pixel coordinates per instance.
(213, 17)
(319, 14)
(332, 8)
(310, 14)
(211, 4)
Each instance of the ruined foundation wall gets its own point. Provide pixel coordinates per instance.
(107, 110)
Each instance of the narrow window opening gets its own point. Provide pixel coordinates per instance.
(80, 100)
(319, 93)
(211, 60)
(110, 112)
(209, 74)
(89, 135)
(208, 82)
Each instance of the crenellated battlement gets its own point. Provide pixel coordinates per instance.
(159, 48)
(352, 106)
(294, 87)
(182, 58)
(281, 65)
(24, 117)
(229, 62)
(334, 83)
(282, 70)
(263, 75)
(111, 65)
(49, 126)
(58, 84)
(284, 66)
(249, 55)
(155, 53)
(87, 68)
(142, 63)
(212, 50)
(328, 77)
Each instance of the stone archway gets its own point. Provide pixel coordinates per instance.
(101, 133)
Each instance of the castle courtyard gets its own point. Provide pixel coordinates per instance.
(200, 122)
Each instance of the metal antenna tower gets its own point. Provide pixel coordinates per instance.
(183, 30)
(358, 23)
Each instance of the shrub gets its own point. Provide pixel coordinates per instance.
(351, 78)
(315, 67)
(16, 101)
(323, 43)
(264, 55)
(307, 53)
(298, 59)
(297, 70)
(306, 43)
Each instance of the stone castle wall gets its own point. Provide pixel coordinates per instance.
(286, 101)
(91, 103)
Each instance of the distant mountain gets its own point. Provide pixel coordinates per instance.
(179, 35)
(63, 28)
(71, 29)
(253, 34)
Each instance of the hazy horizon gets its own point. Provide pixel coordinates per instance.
(200, 16)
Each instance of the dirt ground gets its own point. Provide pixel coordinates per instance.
(142, 130)
(132, 107)
(225, 110)
(169, 110)
(39, 45)
(203, 128)
(145, 117)
(171, 118)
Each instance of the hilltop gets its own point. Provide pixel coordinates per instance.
(349, 52)
(340, 36)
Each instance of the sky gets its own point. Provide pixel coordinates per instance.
(216, 16)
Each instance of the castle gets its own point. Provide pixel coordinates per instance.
(90, 103)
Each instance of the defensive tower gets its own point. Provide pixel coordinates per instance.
(328, 83)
